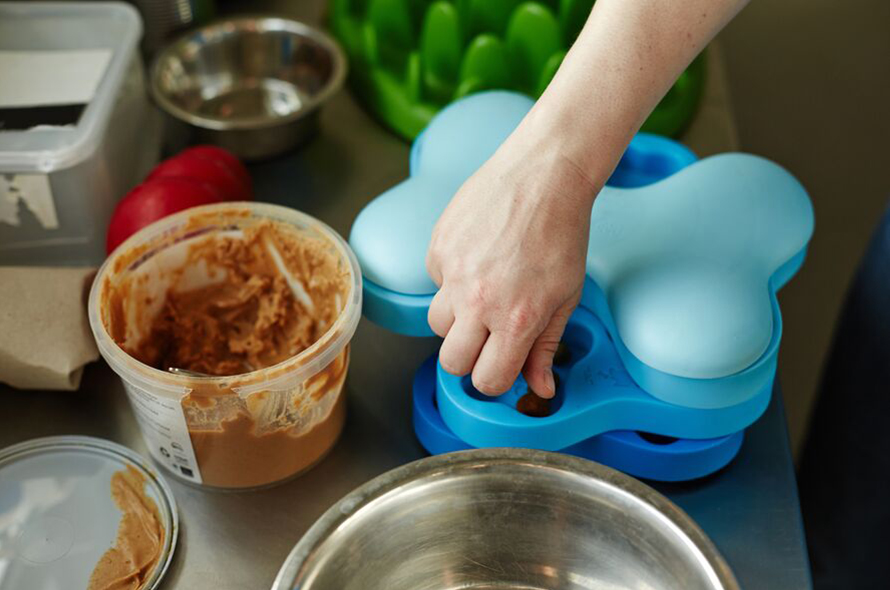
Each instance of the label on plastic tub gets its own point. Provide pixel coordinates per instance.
(166, 433)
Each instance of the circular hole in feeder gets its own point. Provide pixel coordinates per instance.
(576, 342)
(563, 355)
(467, 383)
(657, 439)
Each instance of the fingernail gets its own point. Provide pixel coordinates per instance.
(551, 384)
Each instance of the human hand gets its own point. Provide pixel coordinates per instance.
(508, 254)
(509, 251)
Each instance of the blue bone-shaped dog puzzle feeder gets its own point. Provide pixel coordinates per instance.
(682, 274)
(595, 414)
(640, 454)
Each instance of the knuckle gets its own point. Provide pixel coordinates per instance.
(437, 317)
(547, 344)
(437, 305)
(476, 298)
(522, 319)
(437, 328)
(542, 358)
(433, 269)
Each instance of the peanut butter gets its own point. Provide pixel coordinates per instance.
(239, 453)
(140, 537)
(279, 295)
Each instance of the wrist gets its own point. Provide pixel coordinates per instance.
(546, 174)
(548, 145)
(589, 143)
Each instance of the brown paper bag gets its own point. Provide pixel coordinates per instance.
(45, 337)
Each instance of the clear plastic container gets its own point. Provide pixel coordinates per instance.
(241, 431)
(60, 177)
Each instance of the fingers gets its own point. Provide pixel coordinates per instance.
(496, 358)
(464, 336)
(461, 348)
(538, 368)
(500, 361)
(440, 315)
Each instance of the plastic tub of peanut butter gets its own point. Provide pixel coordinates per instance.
(230, 326)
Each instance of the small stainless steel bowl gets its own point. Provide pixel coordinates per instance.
(505, 519)
(251, 85)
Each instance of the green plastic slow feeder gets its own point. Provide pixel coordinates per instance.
(410, 58)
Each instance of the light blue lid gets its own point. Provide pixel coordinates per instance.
(390, 236)
(648, 159)
(688, 266)
(686, 263)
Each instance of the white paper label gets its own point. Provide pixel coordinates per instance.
(163, 425)
(46, 78)
(34, 191)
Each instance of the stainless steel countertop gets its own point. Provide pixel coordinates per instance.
(238, 541)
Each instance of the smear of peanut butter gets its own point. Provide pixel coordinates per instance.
(253, 319)
(235, 455)
(140, 537)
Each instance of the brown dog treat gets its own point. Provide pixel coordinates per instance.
(532, 405)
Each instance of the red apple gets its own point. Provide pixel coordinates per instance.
(195, 166)
(224, 157)
(154, 200)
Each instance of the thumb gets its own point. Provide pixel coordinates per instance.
(538, 370)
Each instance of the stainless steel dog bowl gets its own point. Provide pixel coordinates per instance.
(251, 85)
(504, 519)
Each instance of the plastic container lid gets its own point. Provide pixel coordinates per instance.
(60, 27)
(57, 516)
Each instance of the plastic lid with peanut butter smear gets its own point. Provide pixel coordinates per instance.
(82, 512)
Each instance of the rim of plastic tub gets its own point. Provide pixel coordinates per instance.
(296, 369)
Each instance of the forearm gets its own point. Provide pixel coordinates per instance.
(625, 59)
